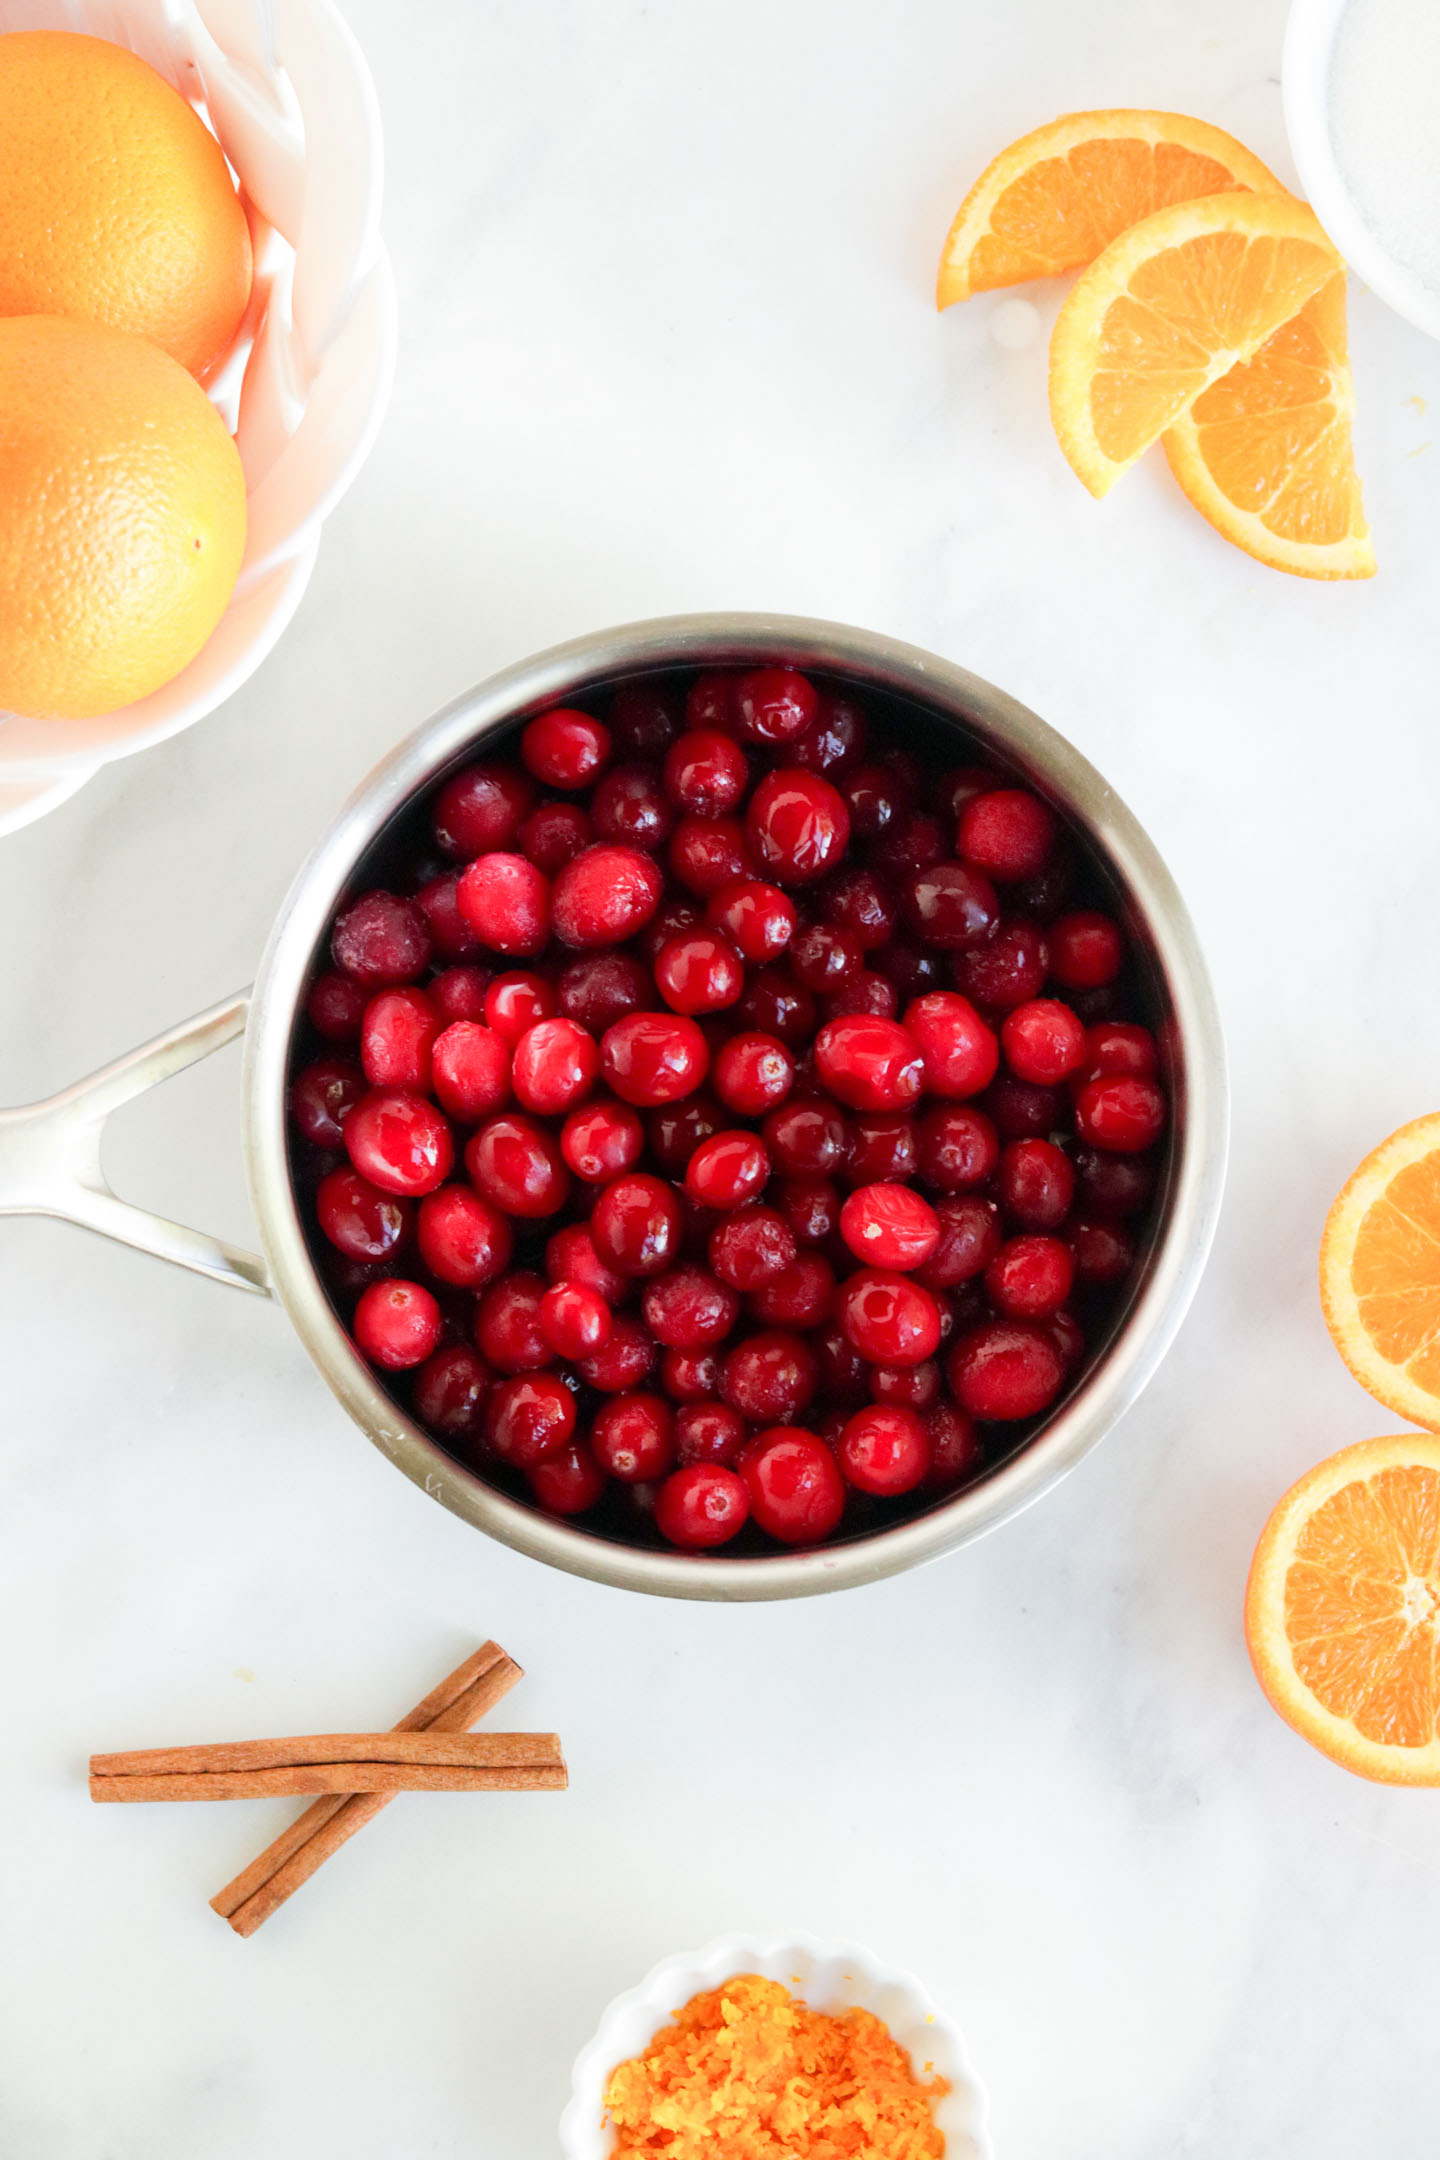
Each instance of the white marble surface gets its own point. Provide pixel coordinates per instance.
(665, 277)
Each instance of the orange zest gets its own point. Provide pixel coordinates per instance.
(1342, 1612)
(1380, 1272)
(1056, 198)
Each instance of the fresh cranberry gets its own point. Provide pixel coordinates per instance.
(856, 901)
(642, 720)
(796, 1491)
(950, 906)
(322, 1095)
(507, 1327)
(1044, 896)
(623, 1362)
(774, 705)
(335, 1007)
(396, 1324)
(843, 1372)
(565, 749)
(864, 993)
(570, 1257)
(727, 1170)
(889, 1319)
(882, 1149)
(913, 842)
(699, 973)
(709, 1432)
(1008, 834)
(1113, 1185)
(650, 1058)
(400, 1141)
(397, 1038)
(1007, 972)
(515, 1001)
(629, 807)
(515, 1164)
(438, 900)
(672, 919)
(957, 1146)
(970, 1237)
(1117, 1046)
(1103, 1252)
(798, 826)
(1043, 1041)
(553, 835)
(707, 854)
(889, 1226)
(875, 797)
(458, 993)
(961, 1053)
(710, 700)
(471, 1070)
(528, 1418)
(835, 738)
(1068, 1337)
(955, 1451)
(601, 1139)
(688, 1309)
(701, 1506)
(1037, 1183)
(381, 940)
(1021, 1111)
(675, 1130)
(481, 808)
(690, 1376)
(750, 1247)
(1086, 950)
(359, 1219)
(909, 969)
(556, 1063)
(568, 1483)
(770, 1377)
(753, 1072)
(636, 1225)
(1004, 1370)
(1030, 1278)
(910, 1387)
(449, 1393)
(886, 1450)
(1120, 1115)
(758, 919)
(574, 1320)
(706, 773)
(805, 1137)
(811, 1208)
(775, 1004)
(601, 988)
(462, 1238)
(633, 1437)
(869, 1064)
(802, 1297)
(604, 897)
(506, 902)
(824, 958)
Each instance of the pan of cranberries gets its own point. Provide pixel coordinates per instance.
(734, 1107)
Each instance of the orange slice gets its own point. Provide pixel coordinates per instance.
(1056, 197)
(1342, 1612)
(1168, 308)
(1265, 453)
(1380, 1272)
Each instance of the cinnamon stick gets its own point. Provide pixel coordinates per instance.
(462, 1698)
(288, 1780)
(306, 1751)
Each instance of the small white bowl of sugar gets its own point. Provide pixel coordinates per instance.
(1362, 109)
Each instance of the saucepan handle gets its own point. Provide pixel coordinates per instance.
(50, 1153)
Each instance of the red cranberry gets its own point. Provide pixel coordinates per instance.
(955, 1451)
(380, 940)
(803, 1297)
(843, 1373)
(727, 1170)
(707, 854)
(633, 1437)
(875, 797)
(1117, 1046)
(335, 1007)
(650, 1058)
(911, 1387)
(774, 705)
(882, 1148)
(889, 1319)
(796, 1491)
(516, 1001)
(909, 969)
(706, 773)
(775, 1004)
(1044, 895)
(1120, 1115)
(1113, 1185)
(601, 1139)
(449, 1393)
(869, 1064)
(835, 738)
(886, 1450)
(602, 988)
(676, 1130)
(1004, 1370)
(439, 902)
(758, 919)
(690, 1376)
(671, 920)
(359, 1220)
(811, 1208)
(481, 808)
(642, 720)
(698, 973)
(515, 1164)
(958, 1147)
(1008, 834)
(568, 1483)
(458, 993)
(824, 958)
(950, 906)
(471, 1070)
(889, 1226)
(570, 1257)
(753, 1072)
(506, 902)
(507, 1326)
(396, 1324)
(1007, 972)
(1086, 950)
(322, 1096)
(970, 1237)
(565, 749)
(710, 701)
(798, 826)
(400, 1141)
(864, 993)
(463, 1239)
(636, 1225)
(805, 1137)
(1021, 1110)
(553, 835)
(574, 1320)
(701, 1506)
(913, 842)
(770, 1377)
(556, 1063)
(629, 807)
(1103, 1252)
(689, 1310)
(857, 902)
(960, 1052)
(751, 1247)
(1037, 1183)
(604, 897)
(624, 1362)
(1030, 1278)
(1044, 1042)
(529, 1418)
(709, 1432)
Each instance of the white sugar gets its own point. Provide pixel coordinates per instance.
(1385, 123)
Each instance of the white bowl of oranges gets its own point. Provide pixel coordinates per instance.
(197, 332)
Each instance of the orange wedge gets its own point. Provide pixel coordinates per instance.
(1380, 1272)
(1168, 308)
(1056, 197)
(1342, 1613)
(1265, 453)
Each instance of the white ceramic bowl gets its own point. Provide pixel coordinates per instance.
(286, 89)
(829, 1978)
(1310, 37)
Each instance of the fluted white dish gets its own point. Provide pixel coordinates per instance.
(287, 91)
(829, 1977)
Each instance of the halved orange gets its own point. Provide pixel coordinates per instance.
(1342, 1612)
(1266, 455)
(1380, 1272)
(1059, 195)
(1168, 308)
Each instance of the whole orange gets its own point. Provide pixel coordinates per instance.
(122, 517)
(116, 204)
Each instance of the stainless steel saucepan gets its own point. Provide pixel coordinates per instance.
(50, 1151)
